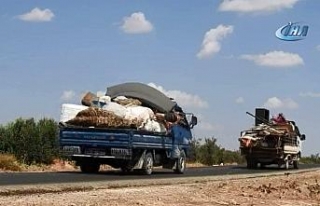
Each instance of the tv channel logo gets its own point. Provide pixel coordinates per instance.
(292, 32)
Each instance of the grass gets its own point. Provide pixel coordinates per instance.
(9, 162)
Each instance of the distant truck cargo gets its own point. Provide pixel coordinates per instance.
(120, 131)
(276, 141)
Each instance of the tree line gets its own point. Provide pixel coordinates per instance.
(208, 152)
(30, 141)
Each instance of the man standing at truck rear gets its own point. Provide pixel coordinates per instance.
(170, 119)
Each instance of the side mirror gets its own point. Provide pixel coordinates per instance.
(303, 137)
(194, 121)
(191, 119)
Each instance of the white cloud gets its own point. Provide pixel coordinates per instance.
(68, 95)
(182, 98)
(101, 93)
(275, 59)
(37, 15)
(276, 103)
(240, 100)
(211, 42)
(310, 94)
(205, 125)
(253, 6)
(136, 24)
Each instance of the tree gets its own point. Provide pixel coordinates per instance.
(30, 141)
(209, 153)
(194, 150)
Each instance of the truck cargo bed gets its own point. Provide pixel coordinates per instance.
(129, 138)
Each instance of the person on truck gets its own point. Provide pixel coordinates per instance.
(280, 119)
(169, 118)
(176, 116)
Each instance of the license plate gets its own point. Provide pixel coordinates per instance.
(120, 152)
(71, 149)
(95, 152)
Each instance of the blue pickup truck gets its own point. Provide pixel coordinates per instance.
(127, 148)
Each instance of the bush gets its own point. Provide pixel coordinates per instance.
(232, 157)
(9, 162)
(194, 151)
(209, 153)
(30, 141)
(312, 159)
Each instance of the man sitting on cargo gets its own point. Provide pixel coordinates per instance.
(280, 119)
(169, 118)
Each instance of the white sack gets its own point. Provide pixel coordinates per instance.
(143, 114)
(139, 112)
(120, 98)
(69, 111)
(116, 108)
(105, 99)
(154, 126)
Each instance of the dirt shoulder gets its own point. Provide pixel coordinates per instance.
(288, 189)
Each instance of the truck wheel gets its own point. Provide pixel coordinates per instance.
(147, 164)
(262, 166)
(252, 163)
(249, 163)
(90, 167)
(181, 163)
(296, 164)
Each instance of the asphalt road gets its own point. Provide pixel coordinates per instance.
(78, 177)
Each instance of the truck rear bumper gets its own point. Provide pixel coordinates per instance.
(93, 156)
(269, 155)
(76, 152)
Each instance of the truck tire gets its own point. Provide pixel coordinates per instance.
(252, 163)
(181, 163)
(90, 167)
(262, 166)
(147, 164)
(295, 164)
(249, 165)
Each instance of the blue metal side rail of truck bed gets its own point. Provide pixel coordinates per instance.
(95, 137)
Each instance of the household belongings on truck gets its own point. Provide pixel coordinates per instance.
(278, 133)
(119, 111)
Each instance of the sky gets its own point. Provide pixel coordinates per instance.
(218, 59)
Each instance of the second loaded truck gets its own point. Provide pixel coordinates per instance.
(271, 141)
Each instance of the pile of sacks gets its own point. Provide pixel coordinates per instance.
(97, 117)
(102, 112)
